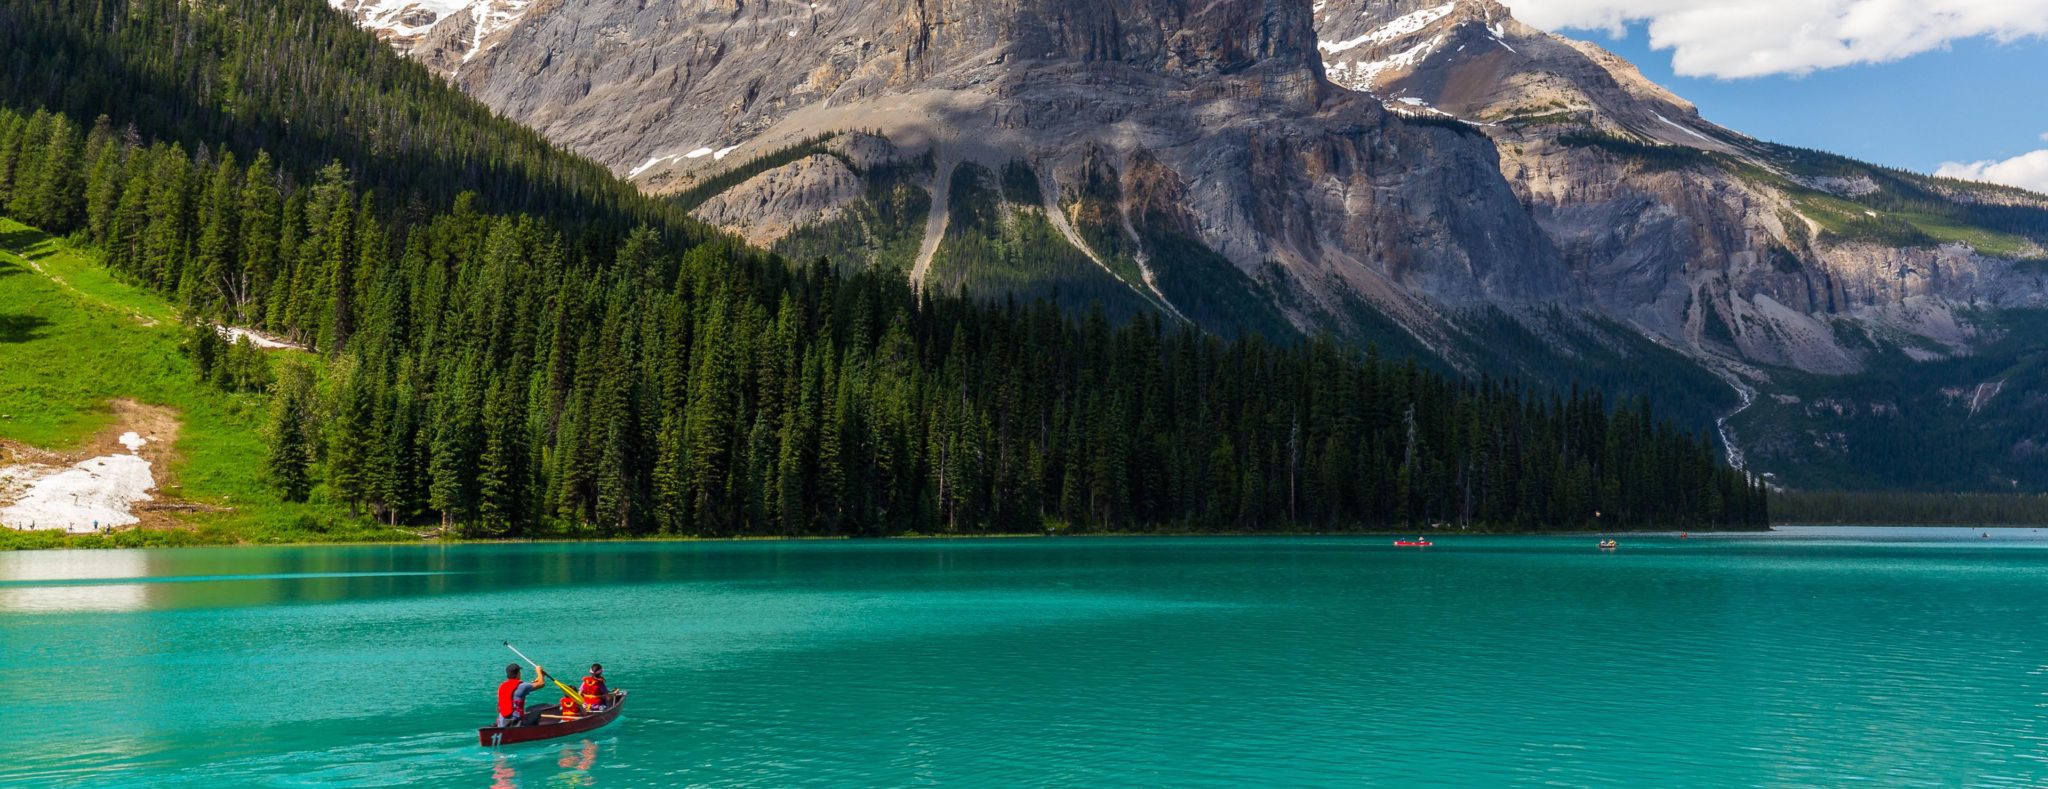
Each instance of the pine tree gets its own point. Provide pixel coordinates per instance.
(292, 429)
(456, 448)
(102, 186)
(258, 208)
(353, 436)
(215, 265)
(58, 197)
(162, 261)
(503, 484)
(23, 178)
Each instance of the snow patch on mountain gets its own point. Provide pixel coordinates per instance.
(1363, 76)
(406, 23)
(404, 18)
(492, 16)
(650, 163)
(1403, 25)
(1684, 128)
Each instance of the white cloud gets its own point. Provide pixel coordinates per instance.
(2044, 136)
(1753, 38)
(2027, 171)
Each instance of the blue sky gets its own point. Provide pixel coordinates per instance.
(1974, 99)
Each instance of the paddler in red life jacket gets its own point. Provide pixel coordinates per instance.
(594, 690)
(512, 696)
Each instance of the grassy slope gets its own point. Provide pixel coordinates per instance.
(1906, 209)
(72, 338)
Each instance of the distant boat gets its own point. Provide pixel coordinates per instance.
(1414, 543)
(1609, 545)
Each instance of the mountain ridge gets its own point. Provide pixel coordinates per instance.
(1355, 167)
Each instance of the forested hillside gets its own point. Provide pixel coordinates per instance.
(293, 78)
(520, 346)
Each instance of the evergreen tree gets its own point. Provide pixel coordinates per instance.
(292, 431)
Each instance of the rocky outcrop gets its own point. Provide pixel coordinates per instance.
(768, 206)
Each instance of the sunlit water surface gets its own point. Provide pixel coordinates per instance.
(1810, 656)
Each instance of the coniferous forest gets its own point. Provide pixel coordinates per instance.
(513, 343)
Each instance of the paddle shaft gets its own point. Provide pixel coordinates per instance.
(537, 670)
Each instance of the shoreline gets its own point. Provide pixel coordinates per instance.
(109, 541)
(10, 541)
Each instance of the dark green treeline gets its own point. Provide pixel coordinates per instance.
(487, 374)
(519, 343)
(1890, 507)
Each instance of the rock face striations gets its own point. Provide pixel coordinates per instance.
(1183, 147)
(1380, 169)
(1726, 245)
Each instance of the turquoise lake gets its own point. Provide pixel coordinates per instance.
(1802, 657)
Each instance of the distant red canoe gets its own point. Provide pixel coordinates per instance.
(1412, 543)
(552, 727)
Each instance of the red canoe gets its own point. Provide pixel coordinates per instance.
(1412, 543)
(552, 726)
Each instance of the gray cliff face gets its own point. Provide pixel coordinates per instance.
(628, 82)
(1215, 118)
(1701, 236)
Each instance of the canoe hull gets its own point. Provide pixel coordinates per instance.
(493, 736)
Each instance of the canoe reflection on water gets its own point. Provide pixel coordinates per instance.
(502, 774)
(578, 758)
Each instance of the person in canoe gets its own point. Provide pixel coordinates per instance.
(589, 697)
(593, 689)
(512, 697)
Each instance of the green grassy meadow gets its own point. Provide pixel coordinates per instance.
(73, 339)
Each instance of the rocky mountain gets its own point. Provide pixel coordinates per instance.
(1765, 263)
(1727, 245)
(1193, 157)
(1431, 176)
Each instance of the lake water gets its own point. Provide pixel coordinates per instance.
(1806, 657)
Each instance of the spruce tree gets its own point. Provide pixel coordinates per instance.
(292, 432)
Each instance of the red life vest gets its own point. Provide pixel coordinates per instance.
(508, 705)
(592, 690)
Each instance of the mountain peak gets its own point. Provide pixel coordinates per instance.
(1472, 60)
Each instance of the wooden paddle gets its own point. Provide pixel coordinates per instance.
(573, 695)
